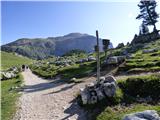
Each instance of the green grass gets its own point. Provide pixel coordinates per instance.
(143, 62)
(66, 72)
(142, 86)
(127, 93)
(9, 97)
(10, 59)
(118, 112)
(77, 70)
(44, 70)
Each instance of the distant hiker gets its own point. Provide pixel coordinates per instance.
(23, 67)
(27, 67)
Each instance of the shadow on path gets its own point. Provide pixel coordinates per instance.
(42, 86)
(75, 109)
(63, 89)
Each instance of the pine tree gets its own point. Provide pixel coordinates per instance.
(144, 29)
(148, 13)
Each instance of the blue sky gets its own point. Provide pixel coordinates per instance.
(30, 19)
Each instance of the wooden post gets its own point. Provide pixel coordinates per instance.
(106, 43)
(98, 58)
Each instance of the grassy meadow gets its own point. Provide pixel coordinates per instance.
(10, 59)
(143, 62)
(9, 88)
(126, 99)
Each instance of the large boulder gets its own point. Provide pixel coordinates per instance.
(95, 92)
(109, 86)
(145, 115)
(109, 89)
(14, 69)
(7, 75)
(84, 95)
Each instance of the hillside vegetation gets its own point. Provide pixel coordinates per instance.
(40, 48)
(9, 97)
(9, 88)
(48, 68)
(146, 59)
(133, 95)
(10, 59)
(137, 62)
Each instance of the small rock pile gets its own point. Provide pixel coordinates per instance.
(95, 92)
(145, 115)
(11, 73)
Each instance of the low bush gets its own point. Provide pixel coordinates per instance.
(142, 86)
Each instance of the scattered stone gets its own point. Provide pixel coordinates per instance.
(145, 115)
(91, 58)
(95, 92)
(73, 79)
(7, 75)
(99, 93)
(115, 59)
(150, 51)
(109, 89)
(84, 95)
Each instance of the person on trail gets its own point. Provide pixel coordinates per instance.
(23, 67)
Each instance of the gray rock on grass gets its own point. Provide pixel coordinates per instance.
(95, 92)
(145, 115)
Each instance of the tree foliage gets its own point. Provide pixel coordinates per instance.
(148, 13)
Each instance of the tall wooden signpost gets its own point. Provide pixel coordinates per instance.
(98, 57)
(106, 43)
(105, 46)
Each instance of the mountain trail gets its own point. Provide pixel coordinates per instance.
(48, 100)
(52, 99)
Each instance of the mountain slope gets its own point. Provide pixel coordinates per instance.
(10, 59)
(39, 48)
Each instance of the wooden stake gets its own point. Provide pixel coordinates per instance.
(98, 58)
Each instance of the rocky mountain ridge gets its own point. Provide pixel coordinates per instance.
(40, 48)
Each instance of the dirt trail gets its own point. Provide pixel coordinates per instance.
(48, 100)
(51, 99)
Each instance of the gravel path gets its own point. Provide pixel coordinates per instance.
(48, 100)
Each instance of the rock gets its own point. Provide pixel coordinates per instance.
(84, 95)
(95, 92)
(66, 65)
(90, 85)
(124, 52)
(120, 45)
(110, 79)
(93, 100)
(102, 79)
(99, 94)
(129, 56)
(150, 51)
(14, 69)
(84, 60)
(73, 79)
(145, 115)
(109, 86)
(109, 89)
(91, 58)
(115, 59)
(7, 75)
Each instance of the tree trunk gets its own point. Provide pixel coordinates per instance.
(154, 29)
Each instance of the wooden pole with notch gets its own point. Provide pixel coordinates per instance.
(98, 58)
